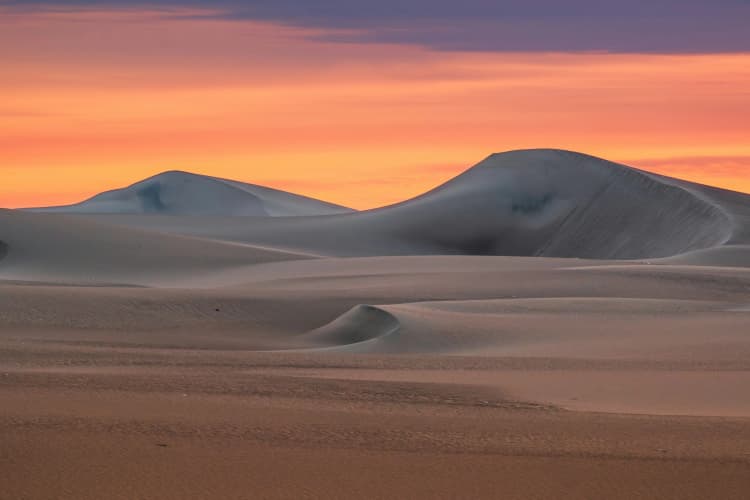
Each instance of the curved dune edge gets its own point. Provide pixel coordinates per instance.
(354, 331)
(517, 327)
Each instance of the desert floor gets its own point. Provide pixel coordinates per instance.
(380, 377)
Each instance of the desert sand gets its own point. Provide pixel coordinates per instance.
(546, 325)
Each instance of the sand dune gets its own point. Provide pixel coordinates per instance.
(355, 330)
(542, 203)
(184, 193)
(526, 203)
(564, 204)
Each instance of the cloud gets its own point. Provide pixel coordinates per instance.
(658, 26)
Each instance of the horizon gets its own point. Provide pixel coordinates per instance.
(367, 106)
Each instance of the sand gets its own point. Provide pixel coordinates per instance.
(388, 353)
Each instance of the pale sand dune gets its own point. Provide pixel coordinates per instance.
(533, 203)
(177, 192)
(389, 353)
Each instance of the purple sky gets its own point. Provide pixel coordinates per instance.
(656, 26)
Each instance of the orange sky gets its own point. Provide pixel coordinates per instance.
(96, 100)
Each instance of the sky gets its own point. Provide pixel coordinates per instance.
(363, 103)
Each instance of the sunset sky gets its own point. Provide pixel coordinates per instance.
(363, 103)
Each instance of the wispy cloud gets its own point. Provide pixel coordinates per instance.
(659, 26)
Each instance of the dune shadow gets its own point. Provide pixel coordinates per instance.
(3, 249)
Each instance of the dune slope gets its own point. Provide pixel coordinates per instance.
(57, 248)
(563, 204)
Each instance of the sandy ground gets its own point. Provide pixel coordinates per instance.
(269, 426)
(506, 377)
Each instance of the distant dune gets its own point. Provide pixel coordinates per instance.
(546, 203)
(183, 193)
(179, 229)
